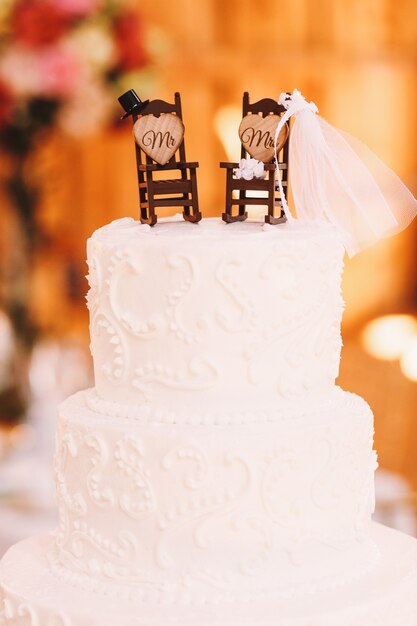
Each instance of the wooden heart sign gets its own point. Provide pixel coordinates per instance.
(159, 137)
(257, 136)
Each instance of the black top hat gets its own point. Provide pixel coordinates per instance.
(131, 103)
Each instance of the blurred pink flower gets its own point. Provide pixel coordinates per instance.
(78, 8)
(19, 71)
(71, 52)
(58, 72)
(89, 108)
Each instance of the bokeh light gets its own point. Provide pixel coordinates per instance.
(387, 337)
(408, 360)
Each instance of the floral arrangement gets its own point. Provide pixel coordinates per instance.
(63, 63)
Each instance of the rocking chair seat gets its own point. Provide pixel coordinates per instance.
(176, 185)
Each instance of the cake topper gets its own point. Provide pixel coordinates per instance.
(258, 174)
(159, 138)
(338, 179)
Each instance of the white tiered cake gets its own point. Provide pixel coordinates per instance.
(215, 474)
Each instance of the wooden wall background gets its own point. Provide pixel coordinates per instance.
(357, 59)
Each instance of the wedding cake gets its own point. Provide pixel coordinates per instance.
(215, 475)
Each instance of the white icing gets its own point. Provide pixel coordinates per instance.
(242, 509)
(215, 465)
(187, 314)
(31, 594)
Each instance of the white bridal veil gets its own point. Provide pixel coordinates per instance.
(335, 177)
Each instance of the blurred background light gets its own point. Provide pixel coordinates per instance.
(6, 343)
(387, 337)
(23, 437)
(408, 361)
(226, 123)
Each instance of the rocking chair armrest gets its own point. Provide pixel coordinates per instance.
(229, 166)
(169, 166)
(269, 167)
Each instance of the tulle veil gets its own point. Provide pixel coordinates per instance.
(337, 178)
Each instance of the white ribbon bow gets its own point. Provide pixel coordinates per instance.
(336, 178)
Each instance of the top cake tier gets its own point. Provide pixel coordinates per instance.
(212, 322)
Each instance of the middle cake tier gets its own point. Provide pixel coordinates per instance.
(209, 513)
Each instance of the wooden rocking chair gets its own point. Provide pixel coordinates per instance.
(157, 136)
(262, 108)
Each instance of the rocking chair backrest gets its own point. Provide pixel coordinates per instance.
(156, 107)
(264, 107)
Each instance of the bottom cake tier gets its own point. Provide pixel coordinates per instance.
(33, 595)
